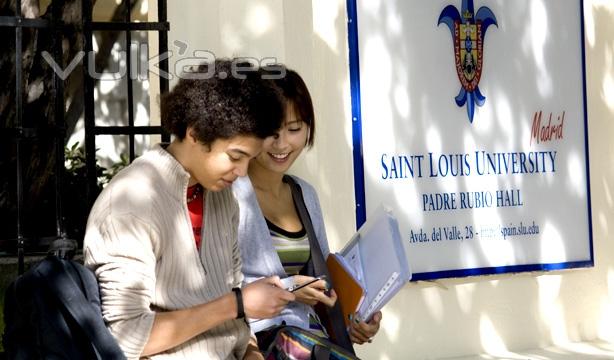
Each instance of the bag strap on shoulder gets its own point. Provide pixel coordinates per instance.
(335, 314)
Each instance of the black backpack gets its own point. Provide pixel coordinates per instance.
(53, 311)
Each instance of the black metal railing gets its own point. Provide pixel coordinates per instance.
(91, 130)
(20, 134)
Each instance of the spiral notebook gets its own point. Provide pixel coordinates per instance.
(371, 268)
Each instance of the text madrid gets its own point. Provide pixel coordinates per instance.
(478, 163)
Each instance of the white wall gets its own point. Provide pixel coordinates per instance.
(449, 317)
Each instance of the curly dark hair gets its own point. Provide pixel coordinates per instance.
(295, 92)
(223, 99)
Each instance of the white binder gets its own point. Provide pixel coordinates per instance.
(377, 257)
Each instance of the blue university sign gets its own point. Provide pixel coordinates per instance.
(483, 196)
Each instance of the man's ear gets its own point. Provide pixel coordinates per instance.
(190, 136)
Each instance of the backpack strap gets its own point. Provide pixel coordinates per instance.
(320, 352)
(335, 314)
(83, 312)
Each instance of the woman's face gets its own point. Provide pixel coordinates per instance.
(280, 151)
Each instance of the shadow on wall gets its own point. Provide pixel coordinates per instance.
(600, 93)
(111, 102)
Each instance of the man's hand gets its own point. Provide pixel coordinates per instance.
(265, 298)
(361, 332)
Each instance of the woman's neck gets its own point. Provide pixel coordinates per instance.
(265, 180)
(275, 198)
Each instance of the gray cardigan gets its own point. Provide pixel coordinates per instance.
(258, 254)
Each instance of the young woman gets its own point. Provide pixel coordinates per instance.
(272, 238)
(162, 236)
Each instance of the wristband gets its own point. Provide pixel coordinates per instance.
(239, 297)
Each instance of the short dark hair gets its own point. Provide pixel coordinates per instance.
(223, 99)
(295, 93)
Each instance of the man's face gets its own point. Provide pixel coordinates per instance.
(216, 166)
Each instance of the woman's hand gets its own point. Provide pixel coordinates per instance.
(315, 292)
(253, 355)
(252, 352)
(361, 332)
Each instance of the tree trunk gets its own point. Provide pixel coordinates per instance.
(37, 154)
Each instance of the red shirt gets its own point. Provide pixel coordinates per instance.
(196, 204)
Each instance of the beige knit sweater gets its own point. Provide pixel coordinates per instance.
(140, 244)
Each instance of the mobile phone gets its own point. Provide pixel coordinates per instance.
(294, 288)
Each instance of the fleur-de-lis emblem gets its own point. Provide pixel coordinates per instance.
(468, 30)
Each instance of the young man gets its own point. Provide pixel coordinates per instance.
(162, 236)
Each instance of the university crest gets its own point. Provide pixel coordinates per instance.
(468, 30)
